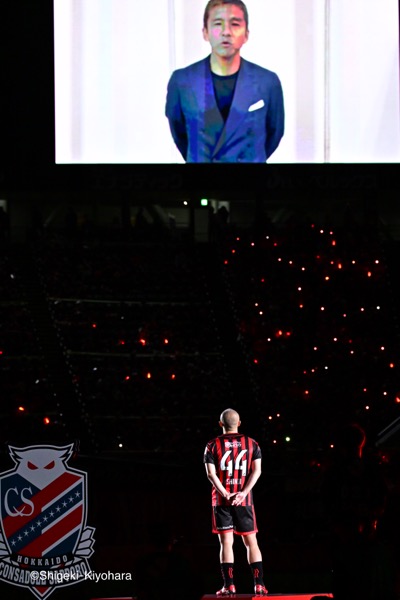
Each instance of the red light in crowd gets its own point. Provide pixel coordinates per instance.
(279, 333)
(369, 274)
(142, 341)
(21, 408)
(173, 376)
(121, 343)
(397, 400)
(391, 365)
(225, 262)
(255, 361)
(46, 421)
(166, 341)
(339, 265)
(333, 243)
(127, 378)
(148, 375)
(94, 325)
(288, 334)
(233, 251)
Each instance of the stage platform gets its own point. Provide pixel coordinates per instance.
(277, 596)
(246, 597)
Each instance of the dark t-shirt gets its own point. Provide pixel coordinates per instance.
(224, 88)
(232, 454)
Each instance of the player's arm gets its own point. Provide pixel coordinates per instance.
(212, 476)
(252, 480)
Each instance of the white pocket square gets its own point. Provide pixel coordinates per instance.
(257, 105)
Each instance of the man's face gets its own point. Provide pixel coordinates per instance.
(226, 30)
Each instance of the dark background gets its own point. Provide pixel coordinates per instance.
(131, 501)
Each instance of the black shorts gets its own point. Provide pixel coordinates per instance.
(239, 519)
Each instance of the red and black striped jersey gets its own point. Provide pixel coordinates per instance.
(233, 455)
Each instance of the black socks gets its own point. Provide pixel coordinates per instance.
(257, 570)
(227, 574)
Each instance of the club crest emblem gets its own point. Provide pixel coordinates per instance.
(44, 540)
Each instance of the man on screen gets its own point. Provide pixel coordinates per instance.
(225, 108)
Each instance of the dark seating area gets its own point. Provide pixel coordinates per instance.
(311, 308)
(133, 348)
(318, 322)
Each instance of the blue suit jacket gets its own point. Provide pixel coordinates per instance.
(255, 124)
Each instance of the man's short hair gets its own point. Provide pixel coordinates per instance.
(230, 418)
(212, 3)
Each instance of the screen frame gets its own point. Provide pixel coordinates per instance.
(29, 128)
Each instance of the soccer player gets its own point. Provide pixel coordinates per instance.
(233, 466)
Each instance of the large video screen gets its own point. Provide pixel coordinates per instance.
(147, 83)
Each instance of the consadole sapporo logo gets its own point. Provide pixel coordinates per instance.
(44, 540)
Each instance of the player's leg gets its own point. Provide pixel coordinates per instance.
(252, 548)
(226, 560)
(223, 526)
(254, 558)
(246, 526)
(226, 547)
